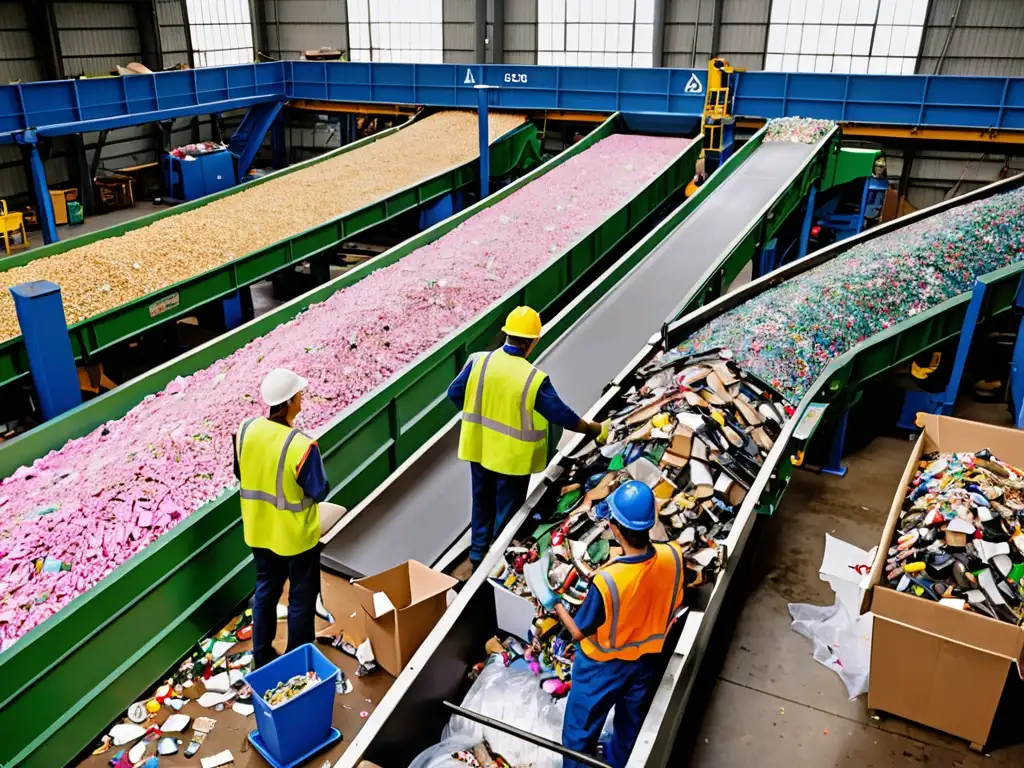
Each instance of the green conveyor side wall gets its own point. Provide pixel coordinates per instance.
(520, 148)
(65, 680)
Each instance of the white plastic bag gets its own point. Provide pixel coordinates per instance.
(841, 637)
(514, 697)
(440, 755)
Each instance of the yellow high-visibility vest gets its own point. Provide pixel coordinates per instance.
(276, 513)
(500, 428)
(640, 604)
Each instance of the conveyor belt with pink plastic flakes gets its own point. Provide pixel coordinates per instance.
(77, 513)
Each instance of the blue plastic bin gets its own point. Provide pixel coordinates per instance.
(300, 726)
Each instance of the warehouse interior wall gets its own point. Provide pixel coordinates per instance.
(961, 37)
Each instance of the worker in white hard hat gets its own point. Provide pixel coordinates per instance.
(283, 485)
(506, 406)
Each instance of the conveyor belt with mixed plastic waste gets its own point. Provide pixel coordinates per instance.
(413, 715)
(65, 679)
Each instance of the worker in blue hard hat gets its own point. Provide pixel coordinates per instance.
(620, 628)
(506, 405)
(283, 485)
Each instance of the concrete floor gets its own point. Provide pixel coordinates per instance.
(772, 705)
(96, 223)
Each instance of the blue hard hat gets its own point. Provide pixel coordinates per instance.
(633, 506)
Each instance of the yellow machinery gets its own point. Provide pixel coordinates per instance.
(718, 121)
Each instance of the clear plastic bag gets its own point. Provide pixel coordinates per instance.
(840, 635)
(514, 697)
(440, 755)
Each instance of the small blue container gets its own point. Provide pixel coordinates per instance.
(301, 726)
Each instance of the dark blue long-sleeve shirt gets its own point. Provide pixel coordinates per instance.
(548, 403)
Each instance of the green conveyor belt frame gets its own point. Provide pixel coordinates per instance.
(66, 679)
(519, 148)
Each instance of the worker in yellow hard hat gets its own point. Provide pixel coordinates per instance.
(506, 405)
(283, 485)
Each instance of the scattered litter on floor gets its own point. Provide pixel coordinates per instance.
(216, 761)
(243, 709)
(201, 728)
(840, 635)
(364, 714)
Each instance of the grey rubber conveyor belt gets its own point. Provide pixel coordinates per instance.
(426, 508)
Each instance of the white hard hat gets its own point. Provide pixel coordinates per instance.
(280, 386)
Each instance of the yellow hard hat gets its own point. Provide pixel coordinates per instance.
(523, 322)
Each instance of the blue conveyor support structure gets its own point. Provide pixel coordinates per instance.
(248, 137)
(40, 312)
(64, 107)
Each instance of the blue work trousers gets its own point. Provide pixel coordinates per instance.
(302, 572)
(597, 686)
(496, 498)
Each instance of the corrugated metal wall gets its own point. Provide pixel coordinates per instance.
(294, 26)
(96, 37)
(173, 32)
(936, 176)
(457, 31)
(17, 62)
(689, 24)
(743, 31)
(988, 38)
(520, 31)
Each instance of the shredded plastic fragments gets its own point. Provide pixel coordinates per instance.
(803, 130)
(788, 334)
(107, 495)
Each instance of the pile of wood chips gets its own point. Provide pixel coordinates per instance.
(116, 270)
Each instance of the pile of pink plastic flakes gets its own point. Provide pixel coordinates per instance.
(77, 513)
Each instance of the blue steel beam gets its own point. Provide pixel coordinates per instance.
(992, 103)
(248, 138)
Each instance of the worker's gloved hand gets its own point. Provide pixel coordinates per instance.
(606, 426)
(536, 575)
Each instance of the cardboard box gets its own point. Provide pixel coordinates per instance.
(401, 606)
(936, 665)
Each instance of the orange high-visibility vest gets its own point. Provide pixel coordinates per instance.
(640, 604)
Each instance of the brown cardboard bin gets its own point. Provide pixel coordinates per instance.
(418, 594)
(928, 659)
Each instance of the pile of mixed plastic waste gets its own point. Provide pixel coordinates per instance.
(190, 151)
(802, 130)
(788, 334)
(287, 690)
(959, 537)
(696, 431)
(84, 509)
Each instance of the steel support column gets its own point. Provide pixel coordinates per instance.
(44, 206)
(716, 27)
(498, 33)
(658, 43)
(482, 92)
(480, 32)
(258, 21)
